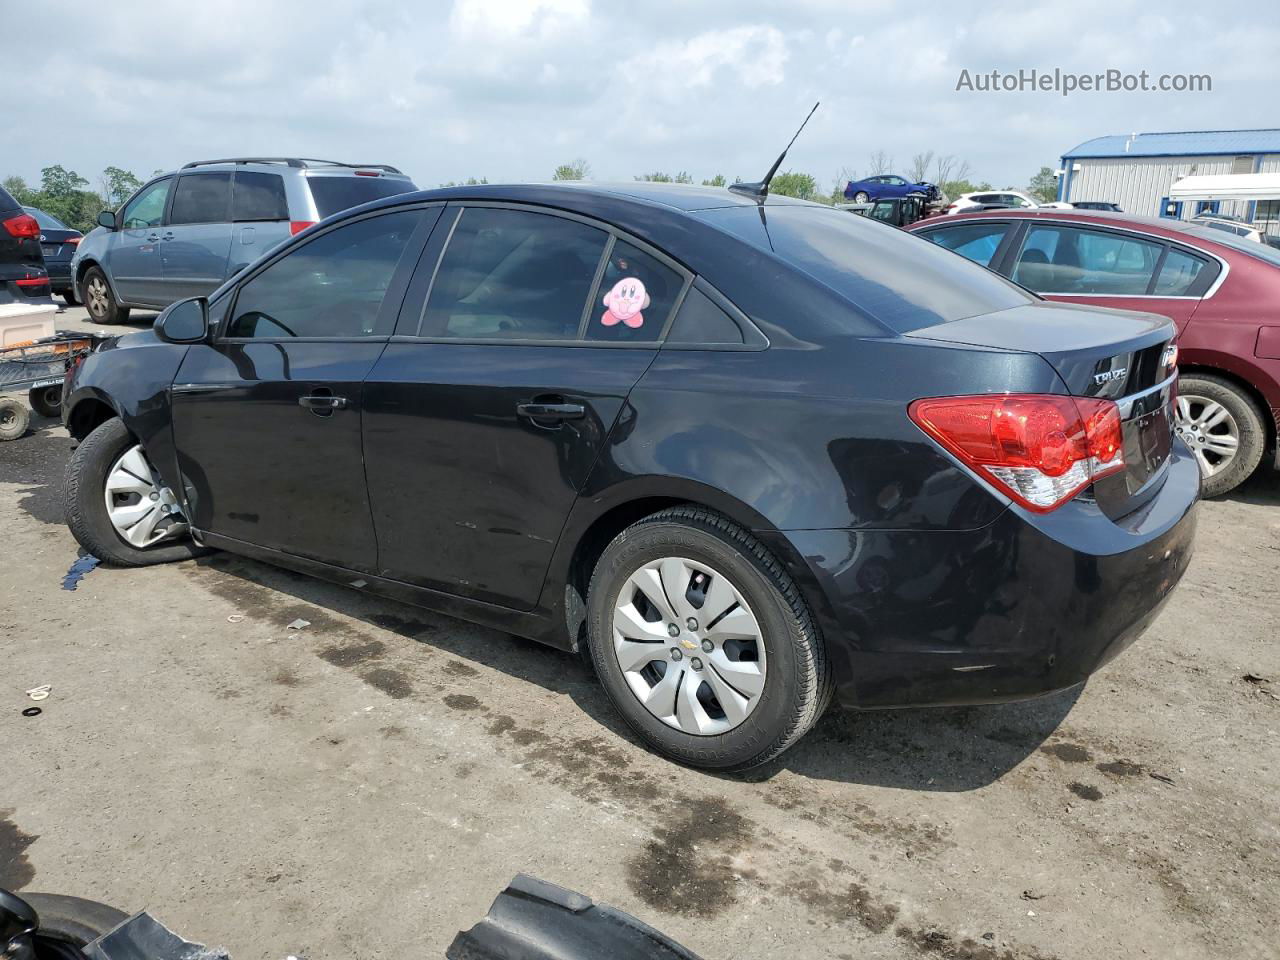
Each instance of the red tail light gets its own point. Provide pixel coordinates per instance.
(297, 226)
(73, 240)
(1040, 451)
(23, 226)
(31, 282)
(368, 173)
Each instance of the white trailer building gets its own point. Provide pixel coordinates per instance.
(1138, 171)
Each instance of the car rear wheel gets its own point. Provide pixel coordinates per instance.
(703, 641)
(99, 301)
(118, 508)
(69, 923)
(861, 197)
(1224, 429)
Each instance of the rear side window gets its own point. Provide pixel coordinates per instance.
(335, 194)
(976, 241)
(330, 287)
(201, 198)
(1071, 260)
(637, 294)
(1179, 274)
(898, 279)
(258, 197)
(701, 320)
(513, 275)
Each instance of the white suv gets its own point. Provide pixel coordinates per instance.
(984, 198)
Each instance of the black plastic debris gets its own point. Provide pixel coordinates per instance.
(142, 937)
(536, 920)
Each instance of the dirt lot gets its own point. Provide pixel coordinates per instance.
(364, 787)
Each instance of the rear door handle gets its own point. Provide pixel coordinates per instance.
(153, 238)
(168, 236)
(551, 411)
(323, 403)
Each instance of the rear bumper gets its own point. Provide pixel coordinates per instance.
(1024, 606)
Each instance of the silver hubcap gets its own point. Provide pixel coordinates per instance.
(97, 292)
(1208, 428)
(142, 510)
(689, 646)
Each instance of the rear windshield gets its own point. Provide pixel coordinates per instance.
(1260, 251)
(46, 221)
(903, 281)
(335, 194)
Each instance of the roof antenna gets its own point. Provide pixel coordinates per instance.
(758, 191)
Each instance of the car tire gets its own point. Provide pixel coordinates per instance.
(14, 418)
(85, 491)
(69, 298)
(70, 923)
(1202, 400)
(789, 672)
(100, 301)
(47, 401)
(861, 197)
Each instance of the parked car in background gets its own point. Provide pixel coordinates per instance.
(1221, 290)
(22, 274)
(58, 244)
(897, 211)
(1096, 205)
(1237, 227)
(889, 185)
(741, 450)
(990, 199)
(182, 234)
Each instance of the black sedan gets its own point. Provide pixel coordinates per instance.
(748, 456)
(22, 273)
(58, 243)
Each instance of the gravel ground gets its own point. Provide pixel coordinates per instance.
(364, 786)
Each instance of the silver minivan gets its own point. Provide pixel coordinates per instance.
(182, 234)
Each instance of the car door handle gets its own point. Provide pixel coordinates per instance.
(153, 237)
(323, 403)
(167, 236)
(551, 411)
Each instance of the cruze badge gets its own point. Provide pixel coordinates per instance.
(1117, 374)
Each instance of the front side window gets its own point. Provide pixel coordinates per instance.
(976, 241)
(147, 208)
(258, 197)
(331, 286)
(201, 198)
(513, 275)
(1071, 260)
(636, 295)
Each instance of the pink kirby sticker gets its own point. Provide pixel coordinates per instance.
(625, 301)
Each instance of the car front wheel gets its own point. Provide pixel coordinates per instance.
(99, 301)
(861, 197)
(1224, 429)
(703, 641)
(118, 508)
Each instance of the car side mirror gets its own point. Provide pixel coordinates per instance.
(107, 219)
(186, 321)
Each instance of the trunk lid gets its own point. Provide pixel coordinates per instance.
(1098, 352)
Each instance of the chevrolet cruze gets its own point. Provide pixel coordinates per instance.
(746, 455)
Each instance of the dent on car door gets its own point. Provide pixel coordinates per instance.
(266, 416)
(483, 420)
(134, 261)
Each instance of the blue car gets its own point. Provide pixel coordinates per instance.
(888, 185)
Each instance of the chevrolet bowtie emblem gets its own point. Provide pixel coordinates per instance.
(688, 644)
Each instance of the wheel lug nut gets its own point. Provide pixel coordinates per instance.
(155, 496)
(696, 663)
(706, 646)
(691, 623)
(676, 654)
(673, 630)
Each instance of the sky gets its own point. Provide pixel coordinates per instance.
(509, 89)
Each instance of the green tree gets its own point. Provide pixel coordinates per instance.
(660, 177)
(1044, 186)
(953, 188)
(717, 181)
(18, 189)
(577, 170)
(60, 183)
(116, 186)
(791, 184)
(469, 182)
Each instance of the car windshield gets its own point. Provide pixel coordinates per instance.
(903, 281)
(1259, 251)
(335, 194)
(46, 221)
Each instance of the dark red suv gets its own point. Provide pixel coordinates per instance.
(1223, 292)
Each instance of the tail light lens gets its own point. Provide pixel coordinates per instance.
(73, 240)
(1040, 451)
(31, 281)
(297, 226)
(23, 226)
